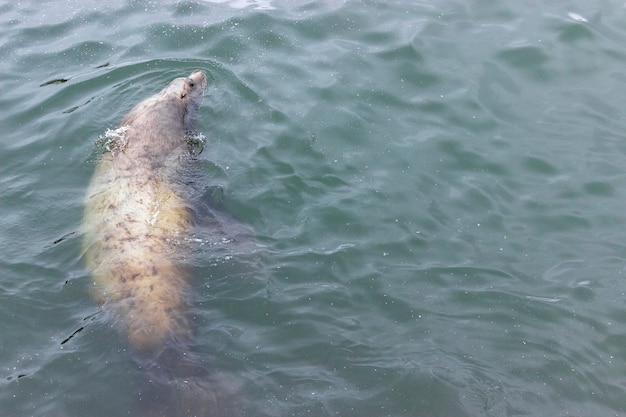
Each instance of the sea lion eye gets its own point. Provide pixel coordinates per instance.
(191, 84)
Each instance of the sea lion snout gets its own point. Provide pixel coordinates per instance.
(198, 78)
(194, 85)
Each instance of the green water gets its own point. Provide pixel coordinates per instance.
(440, 188)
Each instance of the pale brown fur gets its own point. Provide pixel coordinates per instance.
(136, 215)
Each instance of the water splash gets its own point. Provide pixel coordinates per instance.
(196, 141)
(113, 140)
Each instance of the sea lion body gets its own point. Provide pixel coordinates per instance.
(143, 201)
(135, 215)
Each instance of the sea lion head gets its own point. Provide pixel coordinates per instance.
(190, 88)
(189, 92)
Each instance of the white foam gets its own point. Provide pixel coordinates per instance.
(113, 140)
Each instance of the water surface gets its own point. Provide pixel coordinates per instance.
(439, 187)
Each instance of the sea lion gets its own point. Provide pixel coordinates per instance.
(137, 215)
(135, 212)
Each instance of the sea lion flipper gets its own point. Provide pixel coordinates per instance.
(214, 196)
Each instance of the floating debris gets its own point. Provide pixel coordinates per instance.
(55, 81)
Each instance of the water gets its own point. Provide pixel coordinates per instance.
(439, 186)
